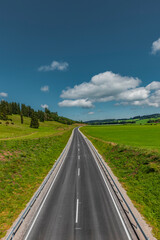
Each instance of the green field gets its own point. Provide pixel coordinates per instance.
(26, 156)
(143, 136)
(135, 160)
(23, 131)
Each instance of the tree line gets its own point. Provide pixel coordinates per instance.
(9, 108)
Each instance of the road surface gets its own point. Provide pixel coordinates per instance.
(79, 205)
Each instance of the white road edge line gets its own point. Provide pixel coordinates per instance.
(45, 199)
(78, 171)
(77, 210)
(126, 230)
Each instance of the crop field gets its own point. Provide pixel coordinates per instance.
(135, 160)
(26, 156)
(143, 136)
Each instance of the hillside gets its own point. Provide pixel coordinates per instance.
(9, 108)
(137, 119)
(133, 153)
(14, 129)
(26, 156)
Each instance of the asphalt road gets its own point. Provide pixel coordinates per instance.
(79, 205)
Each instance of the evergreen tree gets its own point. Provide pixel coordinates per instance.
(34, 121)
(14, 108)
(41, 116)
(3, 110)
(21, 118)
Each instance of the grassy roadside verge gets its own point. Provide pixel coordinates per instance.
(23, 165)
(138, 170)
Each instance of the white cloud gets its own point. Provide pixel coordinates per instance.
(3, 94)
(153, 85)
(109, 86)
(101, 87)
(45, 89)
(134, 94)
(61, 66)
(44, 106)
(153, 100)
(90, 113)
(84, 103)
(156, 46)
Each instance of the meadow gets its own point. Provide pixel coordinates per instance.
(26, 156)
(15, 129)
(143, 136)
(133, 153)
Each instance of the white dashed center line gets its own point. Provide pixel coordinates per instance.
(77, 210)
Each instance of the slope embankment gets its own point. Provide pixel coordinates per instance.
(137, 168)
(24, 163)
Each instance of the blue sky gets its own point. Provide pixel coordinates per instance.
(84, 59)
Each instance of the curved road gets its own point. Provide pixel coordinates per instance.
(79, 205)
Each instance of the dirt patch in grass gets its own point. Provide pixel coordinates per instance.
(5, 156)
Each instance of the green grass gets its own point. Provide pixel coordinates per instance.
(137, 169)
(143, 136)
(24, 162)
(144, 121)
(22, 131)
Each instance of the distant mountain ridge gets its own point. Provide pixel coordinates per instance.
(123, 120)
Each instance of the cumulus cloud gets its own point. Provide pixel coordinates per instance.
(134, 94)
(108, 86)
(44, 106)
(61, 66)
(3, 94)
(102, 86)
(153, 100)
(45, 89)
(84, 103)
(153, 85)
(90, 113)
(156, 46)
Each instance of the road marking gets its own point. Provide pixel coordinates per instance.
(44, 199)
(77, 210)
(78, 157)
(78, 171)
(94, 156)
(78, 149)
(126, 230)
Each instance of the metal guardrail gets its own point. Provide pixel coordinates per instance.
(31, 203)
(102, 164)
(20, 221)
